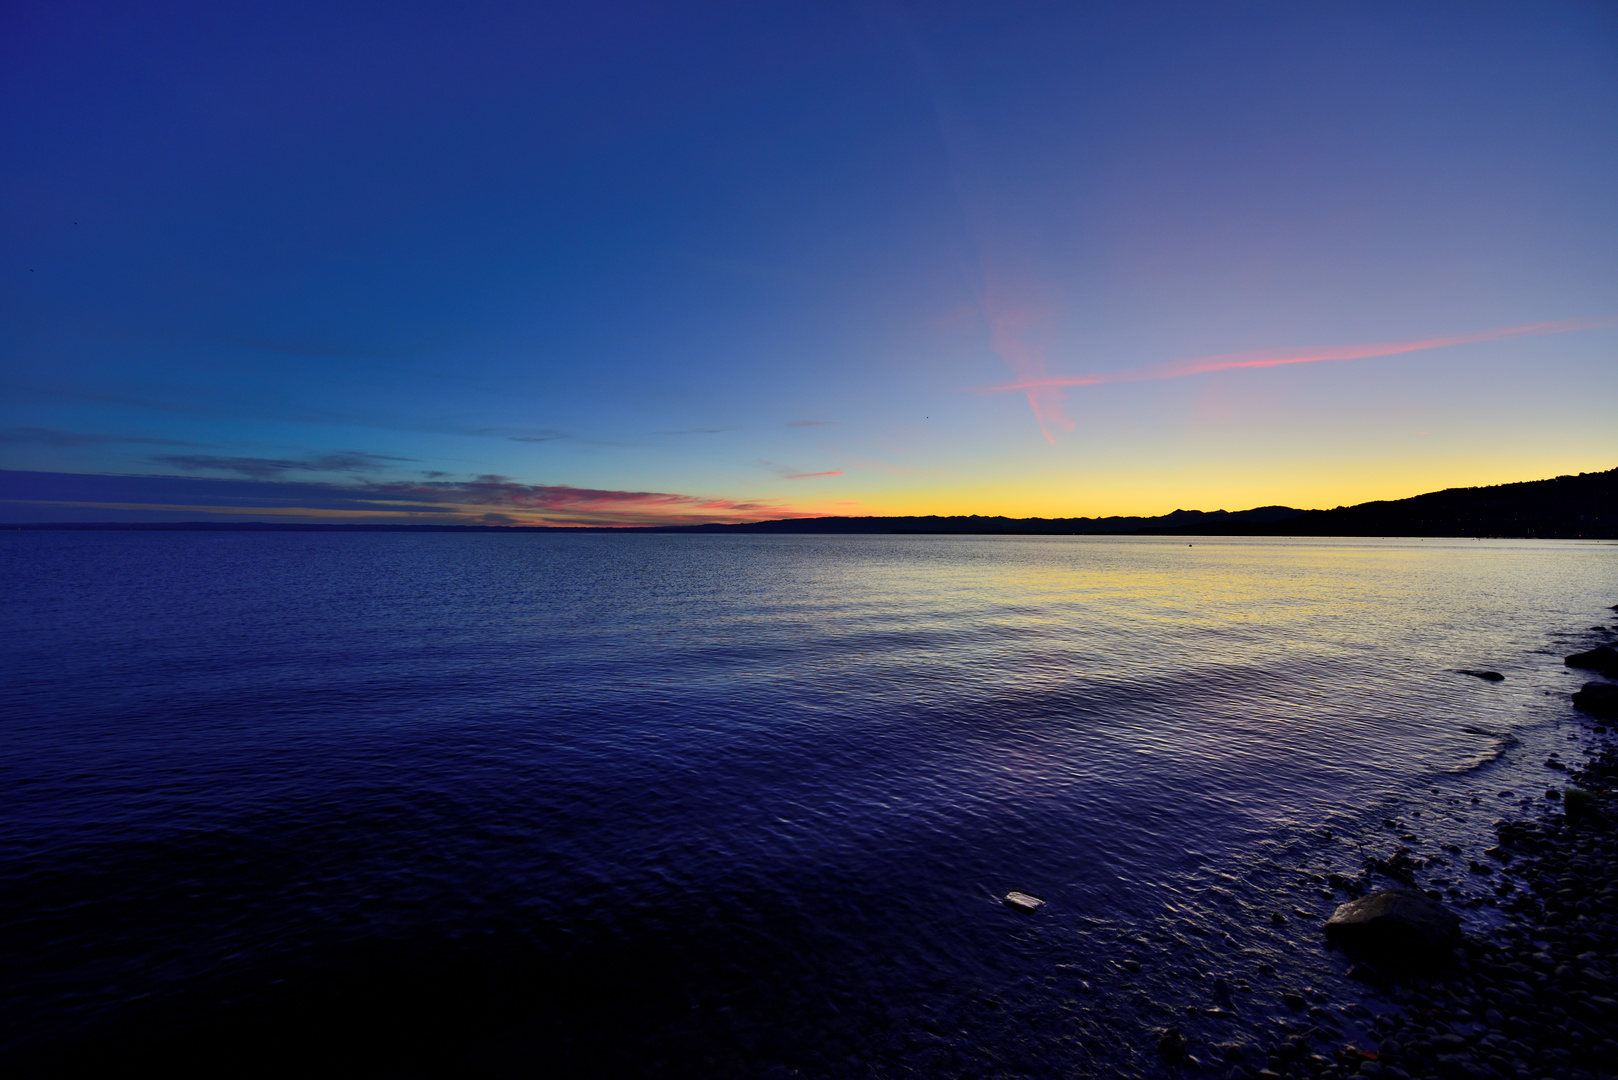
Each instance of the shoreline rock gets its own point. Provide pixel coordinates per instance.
(1597, 699)
(1533, 999)
(1596, 659)
(1397, 929)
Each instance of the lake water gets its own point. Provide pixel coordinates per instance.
(669, 805)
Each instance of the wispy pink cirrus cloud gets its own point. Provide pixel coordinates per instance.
(811, 475)
(1014, 333)
(1265, 358)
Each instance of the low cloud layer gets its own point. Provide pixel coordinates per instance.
(561, 504)
(43, 497)
(346, 461)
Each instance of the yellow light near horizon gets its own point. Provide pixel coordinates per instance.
(1153, 492)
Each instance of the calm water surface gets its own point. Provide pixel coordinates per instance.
(604, 804)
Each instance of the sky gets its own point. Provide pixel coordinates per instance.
(631, 263)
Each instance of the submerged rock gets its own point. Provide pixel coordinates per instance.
(1396, 928)
(1479, 673)
(1595, 659)
(1171, 1046)
(1598, 699)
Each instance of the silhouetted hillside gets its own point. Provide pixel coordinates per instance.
(976, 524)
(1567, 507)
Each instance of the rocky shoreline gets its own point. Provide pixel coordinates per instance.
(1532, 998)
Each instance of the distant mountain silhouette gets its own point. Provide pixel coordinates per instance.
(1566, 507)
(976, 524)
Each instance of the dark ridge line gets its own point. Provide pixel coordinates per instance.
(284, 526)
(1565, 507)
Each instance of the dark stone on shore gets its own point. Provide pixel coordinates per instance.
(1401, 867)
(1171, 1046)
(1478, 673)
(1396, 928)
(1598, 699)
(1595, 659)
(1582, 810)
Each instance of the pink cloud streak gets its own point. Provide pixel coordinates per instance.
(812, 475)
(1014, 336)
(513, 502)
(1264, 358)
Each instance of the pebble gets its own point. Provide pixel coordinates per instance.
(1022, 901)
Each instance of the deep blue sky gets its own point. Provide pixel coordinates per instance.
(759, 257)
